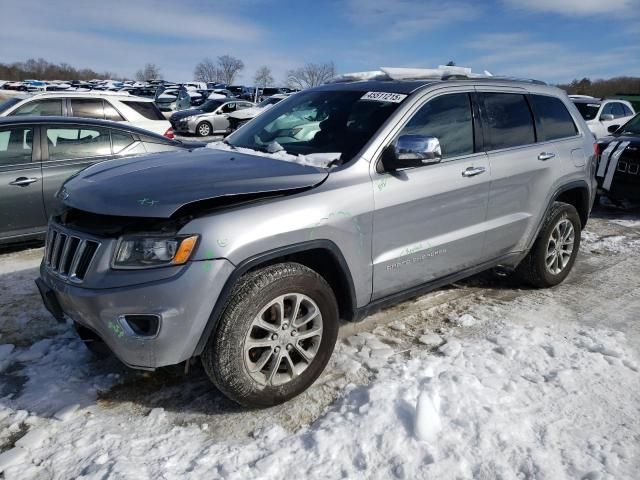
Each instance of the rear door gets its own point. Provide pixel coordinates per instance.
(22, 212)
(429, 221)
(68, 148)
(523, 171)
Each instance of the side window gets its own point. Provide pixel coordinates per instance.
(75, 142)
(229, 107)
(147, 109)
(242, 106)
(87, 108)
(111, 113)
(41, 108)
(15, 145)
(509, 121)
(607, 109)
(449, 119)
(627, 110)
(120, 141)
(555, 118)
(618, 111)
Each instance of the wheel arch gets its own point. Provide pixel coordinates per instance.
(322, 256)
(576, 194)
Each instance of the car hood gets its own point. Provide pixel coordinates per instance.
(186, 113)
(158, 185)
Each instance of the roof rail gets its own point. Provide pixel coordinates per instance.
(443, 72)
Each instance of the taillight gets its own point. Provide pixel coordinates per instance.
(597, 149)
(169, 133)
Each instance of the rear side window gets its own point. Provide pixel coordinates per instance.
(15, 145)
(627, 110)
(120, 141)
(111, 113)
(146, 109)
(44, 108)
(87, 108)
(74, 142)
(508, 120)
(554, 117)
(449, 119)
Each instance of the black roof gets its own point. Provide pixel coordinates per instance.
(32, 119)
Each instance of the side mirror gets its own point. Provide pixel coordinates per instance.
(410, 151)
(606, 117)
(613, 128)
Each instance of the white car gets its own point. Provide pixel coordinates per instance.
(601, 114)
(138, 111)
(240, 117)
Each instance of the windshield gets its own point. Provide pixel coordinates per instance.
(588, 110)
(316, 122)
(9, 103)
(632, 126)
(210, 105)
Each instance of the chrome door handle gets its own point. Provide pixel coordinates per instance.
(546, 156)
(473, 171)
(23, 181)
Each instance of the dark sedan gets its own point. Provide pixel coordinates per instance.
(618, 170)
(37, 154)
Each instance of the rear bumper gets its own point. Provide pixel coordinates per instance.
(183, 304)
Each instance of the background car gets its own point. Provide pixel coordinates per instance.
(601, 114)
(37, 154)
(136, 111)
(244, 93)
(211, 118)
(242, 116)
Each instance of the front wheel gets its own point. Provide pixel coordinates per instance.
(203, 129)
(275, 336)
(554, 252)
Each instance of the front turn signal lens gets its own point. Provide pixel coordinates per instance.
(187, 245)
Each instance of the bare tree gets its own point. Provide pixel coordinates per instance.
(263, 77)
(229, 68)
(311, 75)
(150, 72)
(206, 71)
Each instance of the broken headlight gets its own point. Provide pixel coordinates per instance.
(149, 252)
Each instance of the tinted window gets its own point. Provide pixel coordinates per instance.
(210, 105)
(111, 113)
(607, 109)
(627, 110)
(228, 107)
(448, 118)
(509, 121)
(146, 109)
(87, 108)
(618, 111)
(588, 110)
(4, 106)
(555, 118)
(15, 145)
(70, 143)
(120, 141)
(40, 108)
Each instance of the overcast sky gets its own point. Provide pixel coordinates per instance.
(553, 40)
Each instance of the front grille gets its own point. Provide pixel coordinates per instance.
(69, 256)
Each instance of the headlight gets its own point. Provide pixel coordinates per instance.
(149, 252)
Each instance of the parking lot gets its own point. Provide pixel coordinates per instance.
(502, 344)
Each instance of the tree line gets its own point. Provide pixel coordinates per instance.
(40, 69)
(603, 88)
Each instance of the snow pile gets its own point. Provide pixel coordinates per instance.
(609, 243)
(322, 160)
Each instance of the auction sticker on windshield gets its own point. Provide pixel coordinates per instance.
(384, 97)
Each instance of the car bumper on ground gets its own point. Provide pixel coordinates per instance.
(182, 305)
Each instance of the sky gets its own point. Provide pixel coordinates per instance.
(551, 40)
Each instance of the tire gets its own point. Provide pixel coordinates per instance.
(534, 269)
(203, 129)
(263, 376)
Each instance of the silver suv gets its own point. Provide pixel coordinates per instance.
(335, 202)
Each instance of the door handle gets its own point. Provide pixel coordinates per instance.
(23, 181)
(544, 156)
(473, 171)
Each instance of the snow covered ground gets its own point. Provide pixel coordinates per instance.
(483, 379)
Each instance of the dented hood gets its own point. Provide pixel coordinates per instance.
(159, 185)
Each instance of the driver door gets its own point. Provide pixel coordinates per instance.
(221, 118)
(429, 221)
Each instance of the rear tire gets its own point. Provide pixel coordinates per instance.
(203, 129)
(261, 353)
(554, 252)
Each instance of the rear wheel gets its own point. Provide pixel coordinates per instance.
(553, 254)
(203, 129)
(275, 336)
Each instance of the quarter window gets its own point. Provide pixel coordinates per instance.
(111, 113)
(15, 145)
(508, 120)
(120, 141)
(40, 108)
(87, 108)
(449, 119)
(554, 117)
(71, 143)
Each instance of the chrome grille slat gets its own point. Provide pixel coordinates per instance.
(69, 256)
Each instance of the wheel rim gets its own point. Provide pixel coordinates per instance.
(283, 339)
(203, 129)
(560, 246)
